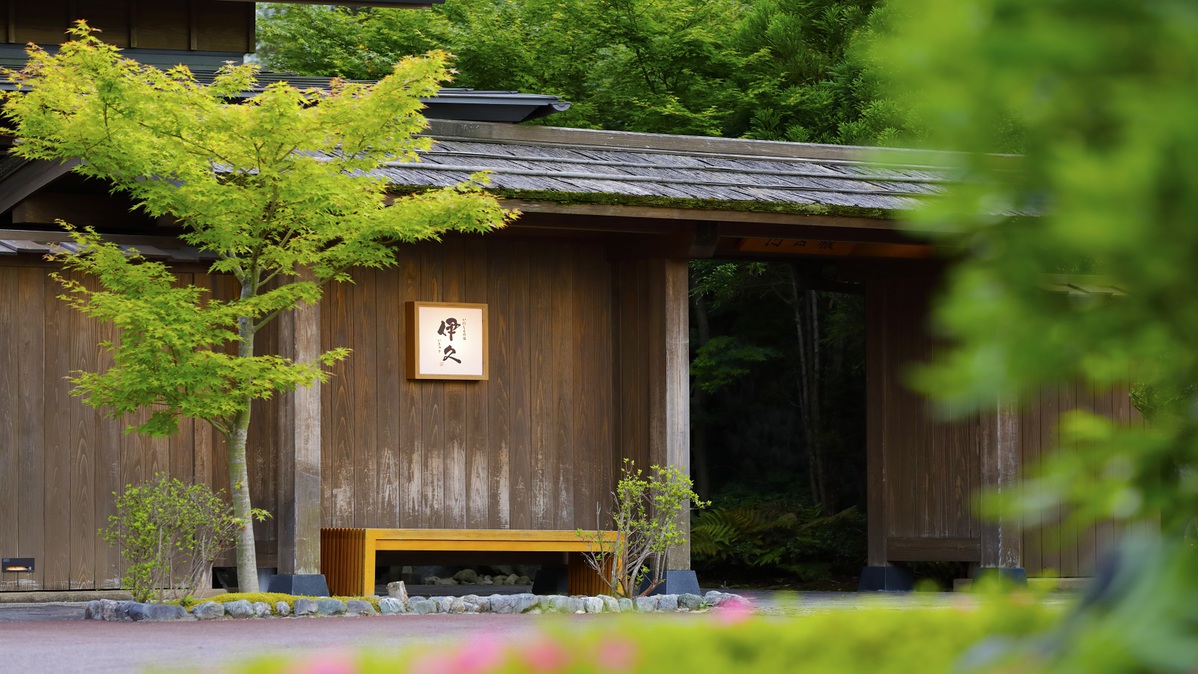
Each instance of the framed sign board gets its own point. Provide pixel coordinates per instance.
(446, 340)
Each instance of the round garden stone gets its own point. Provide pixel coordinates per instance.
(239, 609)
(646, 603)
(283, 609)
(524, 602)
(501, 603)
(558, 603)
(157, 612)
(209, 610)
(593, 604)
(575, 605)
(467, 577)
(304, 607)
(359, 607)
(327, 607)
(609, 603)
(390, 606)
(690, 602)
(626, 605)
(422, 607)
(667, 602)
(115, 611)
(262, 609)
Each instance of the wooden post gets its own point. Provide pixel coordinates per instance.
(877, 527)
(1002, 542)
(669, 381)
(299, 461)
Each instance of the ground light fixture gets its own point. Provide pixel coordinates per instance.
(17, 565)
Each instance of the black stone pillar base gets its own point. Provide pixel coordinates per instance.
(1006, 575)
(885, 579)
(305, 585)
(678, 582)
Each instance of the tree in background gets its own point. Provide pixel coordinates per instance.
(772, 69)
(274, 187)
(1100, 97)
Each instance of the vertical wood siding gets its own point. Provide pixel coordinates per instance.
(1059, 546)
(924, 473)
(534, 447)
(61, 461)
(930, 467)
(194, 25)
(529, 448)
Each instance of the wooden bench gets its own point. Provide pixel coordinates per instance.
(347, 556)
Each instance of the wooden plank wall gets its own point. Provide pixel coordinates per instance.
(184, 25)
(61, 461)
(531, 448)
(1060, 547)
(930, 468)
(924, 472)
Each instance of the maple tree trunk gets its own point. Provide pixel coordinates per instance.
(239, 476)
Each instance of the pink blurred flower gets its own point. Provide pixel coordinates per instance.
(616, 655)
(329, 663)
(479, 656)
(733, 611)
(546, 656)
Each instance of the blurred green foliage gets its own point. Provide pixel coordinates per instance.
(1099, 98)
(873, 641)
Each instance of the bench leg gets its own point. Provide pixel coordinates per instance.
(369, 553)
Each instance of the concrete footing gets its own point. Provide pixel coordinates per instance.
(885, 579)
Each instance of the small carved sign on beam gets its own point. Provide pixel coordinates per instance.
(446, 340)
(832, 248)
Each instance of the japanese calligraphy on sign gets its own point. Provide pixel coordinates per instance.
(446, 340)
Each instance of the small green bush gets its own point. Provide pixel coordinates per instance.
(648, 507)
(169, 533)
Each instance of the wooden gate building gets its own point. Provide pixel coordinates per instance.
(588, 342)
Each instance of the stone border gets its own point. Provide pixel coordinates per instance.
(131, 611)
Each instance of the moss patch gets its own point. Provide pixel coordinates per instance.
(605, 199)
(273, 598)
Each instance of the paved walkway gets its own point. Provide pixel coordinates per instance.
(54, 637)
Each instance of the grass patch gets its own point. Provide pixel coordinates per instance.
(271, 598)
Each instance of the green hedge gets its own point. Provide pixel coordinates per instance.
(877, 640)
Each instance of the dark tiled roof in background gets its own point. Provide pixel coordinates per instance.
(528, 159)
(18, 242)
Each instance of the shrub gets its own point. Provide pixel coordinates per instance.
(768, 537)
(169, 533)
(646, 514)
(867, 641)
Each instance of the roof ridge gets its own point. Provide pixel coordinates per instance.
(737, 148)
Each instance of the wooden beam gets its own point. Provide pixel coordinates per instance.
(669, 380)
(877, 525)
(1002, 541)
(921, 549)
(95, 210)
(299, 516)
(697, 214)
(29, 178)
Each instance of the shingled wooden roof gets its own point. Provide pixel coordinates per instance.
(545, 160)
